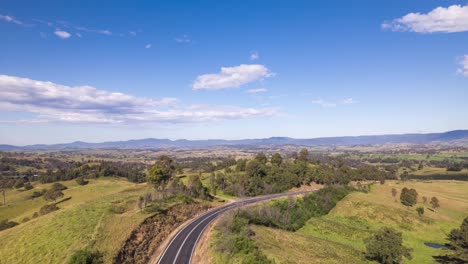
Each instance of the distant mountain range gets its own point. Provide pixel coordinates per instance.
(455, 136)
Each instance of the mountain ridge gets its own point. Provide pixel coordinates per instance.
(412, 138)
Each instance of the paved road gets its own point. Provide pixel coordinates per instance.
(181, 247)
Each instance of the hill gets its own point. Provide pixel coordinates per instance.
(453, 137)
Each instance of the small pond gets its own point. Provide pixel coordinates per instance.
(434, 245)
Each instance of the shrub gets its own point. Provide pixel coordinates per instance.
(36, 194)
(420, 211)
(85, 256)
(408, 197)
(48, 208)
(19, 183)
(81, 181)
(28, 186)
(26, 219)
(5, 224)
(386, 246)
(58, 186)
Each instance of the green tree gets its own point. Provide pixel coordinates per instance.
(241, 164)
(458, 243)
(394, 192)
(276, 159)
(28, 186)
(386, 246)
(303, 155)
(408, 197)
(19, 183)
(53, 195)
(420, 211)
(435, 202)
(261, 157)
(161, 172)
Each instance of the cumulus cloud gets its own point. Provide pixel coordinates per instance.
(62, 34)
(463, 70)
(440, 20)
(10, 19)
(232, 77)
(257, 90)
(254, 56)
(52, 102)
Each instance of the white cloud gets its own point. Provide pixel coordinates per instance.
(323, 103)
(254, 56)
(440, 20)
(10, 19)
(257, 90)
(98, 31)
(78, 34)
(232, 77)
(147, 46)
(463, 70)
(183, 39)
(132, 33)
(349, 101)
(52, 102)
(62, 34)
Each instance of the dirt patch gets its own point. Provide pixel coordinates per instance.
(304, 188)
(146, 238)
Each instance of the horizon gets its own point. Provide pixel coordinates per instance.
(224, 139)
(94, 72)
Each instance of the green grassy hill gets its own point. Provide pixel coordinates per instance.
(339, 235)
(89, 219)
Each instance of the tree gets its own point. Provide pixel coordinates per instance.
(81, 181)
(261, 157)
(53, 195)
(420, 211)
(140, 202)
(458, 243)
(303, 155)
(213, 185)
(394, 192)
(386, 246)
(408, 197)
(19, 183)
(241, 164)
(276, 159)
(424, 199)
(28, 186)
(161, 172)
(435, 202)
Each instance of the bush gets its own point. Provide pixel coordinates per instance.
(5, 224)
(85, 256)
(386, 246)
(81, 181)
(28, 186)
(408, 197)
(48, 208)
(26, 219)
(36, 194)
(58, 186)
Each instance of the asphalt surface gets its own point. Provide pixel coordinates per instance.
(180, 248)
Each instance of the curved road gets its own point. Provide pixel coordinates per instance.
(180, 248)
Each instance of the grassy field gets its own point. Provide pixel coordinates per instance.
(86, 220)
(339, 235)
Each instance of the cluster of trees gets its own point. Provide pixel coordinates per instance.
(458, 244)
(292, 214)
(205, 164)
(409, 197)
(263, 176)
(133, 171)
(162, 176)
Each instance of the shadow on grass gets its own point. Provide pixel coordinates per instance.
(448, 260)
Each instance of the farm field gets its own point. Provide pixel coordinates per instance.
(354, 218)
(87, 220)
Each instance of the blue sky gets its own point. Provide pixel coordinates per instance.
(117, 70)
